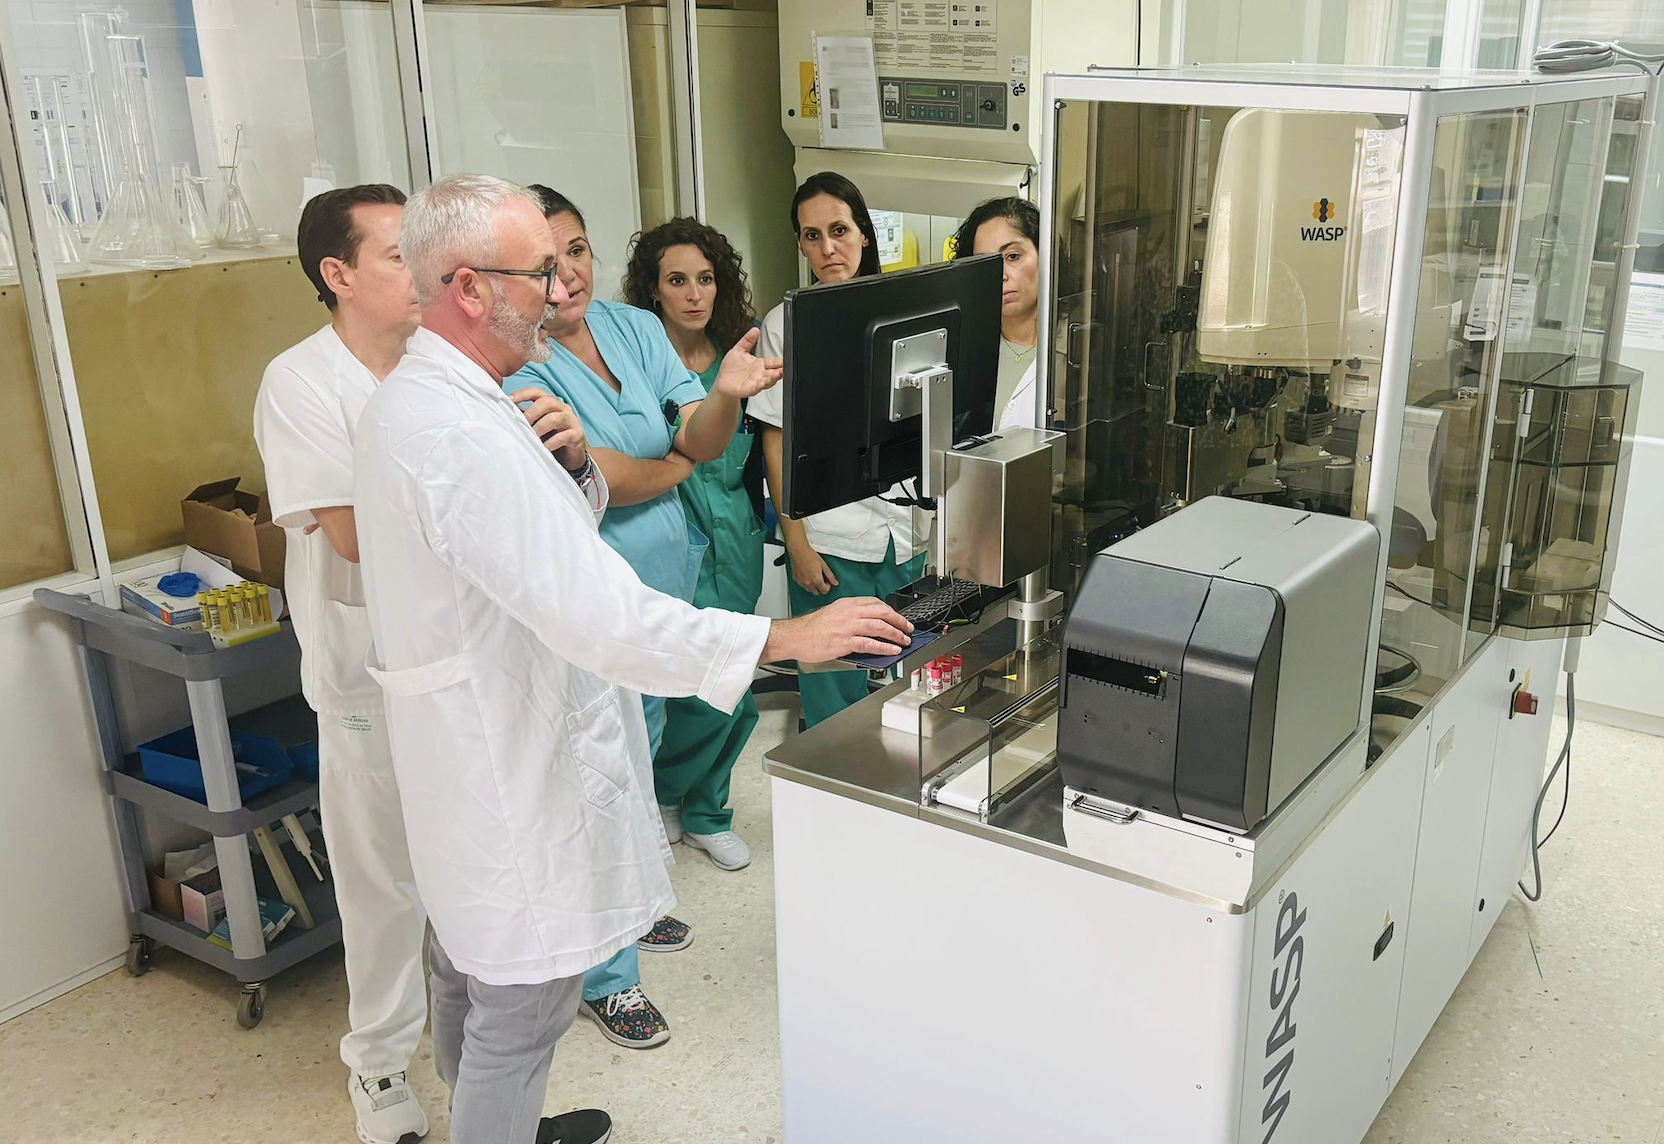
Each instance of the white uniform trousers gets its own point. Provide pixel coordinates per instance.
(383, 924)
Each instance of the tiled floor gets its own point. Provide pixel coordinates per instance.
(1562, 1044)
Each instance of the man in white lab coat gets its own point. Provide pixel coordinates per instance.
(304, 419)
(513, 645)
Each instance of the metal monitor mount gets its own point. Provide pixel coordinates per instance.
(922, 383)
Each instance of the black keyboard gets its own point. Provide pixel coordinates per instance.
(954, 600)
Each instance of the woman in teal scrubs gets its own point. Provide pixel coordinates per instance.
(615, 367)
(690, 276)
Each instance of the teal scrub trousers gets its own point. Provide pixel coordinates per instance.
(825, 693)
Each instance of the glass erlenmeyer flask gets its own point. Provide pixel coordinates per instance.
(60, 231)
(188, 206)
(137, 228)
(235, 227)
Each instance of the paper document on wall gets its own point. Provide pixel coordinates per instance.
(1522, 308)
(850, 115)
(887, 225)
(1485, 313)
(937, 36)
(1644, 322)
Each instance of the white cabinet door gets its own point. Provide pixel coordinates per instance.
(1464, 732)
(1522, 747)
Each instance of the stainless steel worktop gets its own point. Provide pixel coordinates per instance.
(853, 755)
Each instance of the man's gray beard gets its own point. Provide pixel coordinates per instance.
(518, 332)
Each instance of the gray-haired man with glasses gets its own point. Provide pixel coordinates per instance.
(513, 646)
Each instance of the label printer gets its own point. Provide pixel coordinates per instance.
(1214, 660)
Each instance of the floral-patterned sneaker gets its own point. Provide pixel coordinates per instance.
(667, 936)
(628, 1018)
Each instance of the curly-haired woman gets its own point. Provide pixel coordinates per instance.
(692, 278)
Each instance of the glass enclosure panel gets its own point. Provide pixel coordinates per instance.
(987, 739)
(1565, 183)
(1562, 450)
(1222, 278)
(1461, 317)
(573, 96)
(31, 514)
(176, 144)
(1640, 26)
(1566, 413)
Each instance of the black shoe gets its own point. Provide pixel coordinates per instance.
(586, 1126)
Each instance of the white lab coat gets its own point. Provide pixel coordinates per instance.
(504, 629)
(1019, 411)
(309, 402)
(304, 420)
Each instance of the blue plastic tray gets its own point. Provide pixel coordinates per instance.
(305, 756)
(173, 763)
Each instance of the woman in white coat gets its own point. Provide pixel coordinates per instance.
(874, 546)
(1010, 227)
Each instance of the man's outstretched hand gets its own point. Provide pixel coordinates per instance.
(851, 626)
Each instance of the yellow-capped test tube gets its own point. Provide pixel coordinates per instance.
(263, 598)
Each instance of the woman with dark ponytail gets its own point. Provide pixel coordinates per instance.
(1010, 227)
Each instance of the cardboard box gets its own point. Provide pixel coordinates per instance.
(164, 898)
(145, 598)
(202, 901)
(223, 520)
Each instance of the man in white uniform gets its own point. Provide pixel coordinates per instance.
(304, 419)
(505, 630)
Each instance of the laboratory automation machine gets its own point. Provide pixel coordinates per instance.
(1343, 446)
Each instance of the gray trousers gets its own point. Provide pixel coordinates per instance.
(492, 1045)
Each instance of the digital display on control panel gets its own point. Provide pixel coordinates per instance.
(943, 104)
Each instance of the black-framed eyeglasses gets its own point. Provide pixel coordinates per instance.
(548, 276)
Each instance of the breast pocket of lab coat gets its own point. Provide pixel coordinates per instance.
(595, 736)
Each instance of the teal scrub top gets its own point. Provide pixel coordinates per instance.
(731, 575)
(654, 537)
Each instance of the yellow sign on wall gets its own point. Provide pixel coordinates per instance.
(808, 101)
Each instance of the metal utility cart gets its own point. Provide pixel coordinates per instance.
(191, 656)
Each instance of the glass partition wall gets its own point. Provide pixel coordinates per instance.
(171, 145)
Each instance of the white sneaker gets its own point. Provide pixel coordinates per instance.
(387, 1109)
(727, 849)
(672, 817)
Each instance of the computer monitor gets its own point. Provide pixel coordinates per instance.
(849, 433)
